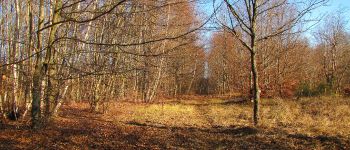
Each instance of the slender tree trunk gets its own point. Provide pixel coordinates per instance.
(77, 58)
(15, 68)
(333, 68)
(1, 108)
(50, 62)
(4, 100)
(2, 76)
(97, 97)
(122, 86)
(59, 103)
(1, 94)
(255, 77)
(37, 75)
(256, 89)
(193, 76)
(28, 85)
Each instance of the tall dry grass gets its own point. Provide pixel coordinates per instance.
(310, 116)
(322, 115)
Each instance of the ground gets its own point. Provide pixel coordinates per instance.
(196, 123)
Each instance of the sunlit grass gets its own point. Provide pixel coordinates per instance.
(168, 114)
(311, 116)
(230, 115)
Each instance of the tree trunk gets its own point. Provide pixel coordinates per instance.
(59, 103)
(1, 96)
(37, 75)
(15, 69)
(333, 68)
(50, 63)
(256, 90)
(2, 76)
(27, 94)
(96, 97)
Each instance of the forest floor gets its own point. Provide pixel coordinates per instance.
(199, 123)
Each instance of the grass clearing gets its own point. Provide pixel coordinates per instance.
(203, 123)
(311, 116)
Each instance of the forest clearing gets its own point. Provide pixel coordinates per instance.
(200, 123)
(174, 74)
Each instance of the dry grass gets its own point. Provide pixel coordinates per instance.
(199, 123)
(310, 116)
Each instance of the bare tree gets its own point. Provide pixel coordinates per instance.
(332, 38)
(244, 17)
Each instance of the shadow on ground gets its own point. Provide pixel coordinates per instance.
(77, 128)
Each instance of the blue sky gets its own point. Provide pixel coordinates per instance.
(333, 6)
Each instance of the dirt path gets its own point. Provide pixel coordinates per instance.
(77, 128)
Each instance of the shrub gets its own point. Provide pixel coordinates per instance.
(305, 90)
(321, 89)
